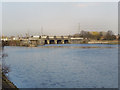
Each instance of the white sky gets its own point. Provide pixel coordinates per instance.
(58, 18)
(60, 0)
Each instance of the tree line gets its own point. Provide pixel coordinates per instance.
(109, 35)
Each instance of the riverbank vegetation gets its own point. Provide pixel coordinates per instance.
(5, 69)
(109, 35)
(95, 37)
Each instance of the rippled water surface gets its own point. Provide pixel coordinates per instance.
(63, 67)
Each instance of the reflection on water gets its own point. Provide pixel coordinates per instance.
(63, 67)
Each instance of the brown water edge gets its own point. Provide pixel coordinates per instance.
(7, 84)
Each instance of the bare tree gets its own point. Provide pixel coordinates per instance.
(110, 35)
(4, 66)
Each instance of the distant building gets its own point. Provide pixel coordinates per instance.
(117, 37)
(35, 36)
(4, 38)
(43, 36)
(15, 38)
(76, 38)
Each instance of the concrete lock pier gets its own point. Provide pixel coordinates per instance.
(55, 40)
(42, 40)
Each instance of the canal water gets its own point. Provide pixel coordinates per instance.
(60, 67)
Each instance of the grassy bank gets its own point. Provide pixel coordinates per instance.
(104, 42)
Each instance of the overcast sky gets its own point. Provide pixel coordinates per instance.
(58, 18)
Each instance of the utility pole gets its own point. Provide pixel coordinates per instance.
(79, 28)
(28, 33)
(41, 30)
